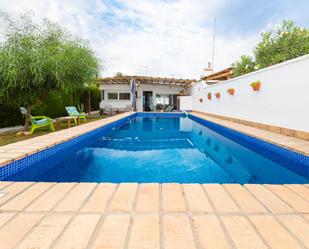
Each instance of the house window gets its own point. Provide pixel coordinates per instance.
(112, 96)
(163, 99)
(124, 96)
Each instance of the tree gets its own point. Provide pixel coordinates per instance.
(91, 87)
(286, 42)
(119, 74)
(39, 59)
(244, 65)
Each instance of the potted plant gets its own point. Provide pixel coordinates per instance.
(231, 91)
(218, 95)
(201, 100)
(256, 85)
(209, 96)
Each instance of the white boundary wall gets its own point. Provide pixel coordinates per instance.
(283, 99)
(119, 88)
(185, 103)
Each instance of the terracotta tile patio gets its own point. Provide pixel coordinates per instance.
(146, 216)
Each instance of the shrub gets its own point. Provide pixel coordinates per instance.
(38, 59)
(284, 43)
(244, 65)
(287, 42)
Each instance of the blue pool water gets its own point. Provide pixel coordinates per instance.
(164, 149)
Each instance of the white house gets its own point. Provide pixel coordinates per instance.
(152, 93)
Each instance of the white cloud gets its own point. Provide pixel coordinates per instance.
(169, 37)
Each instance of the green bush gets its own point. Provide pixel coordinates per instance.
(53, 107)
(284, 43)
(10, 116)
(40, 62)
(245, 65)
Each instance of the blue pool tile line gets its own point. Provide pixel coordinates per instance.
(292, 160)
(160, 114)
(62, 150)
(66, 148)
(142, 145)
(44, 159)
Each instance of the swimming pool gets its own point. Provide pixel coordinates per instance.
(162, 148)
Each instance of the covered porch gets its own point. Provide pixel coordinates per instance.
(150, 93)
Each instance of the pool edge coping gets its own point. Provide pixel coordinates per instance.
(72, 133)
(248, 133)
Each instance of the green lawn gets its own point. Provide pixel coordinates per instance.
(12, 137)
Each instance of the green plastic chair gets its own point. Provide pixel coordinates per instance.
(72, 111)
(38, 121)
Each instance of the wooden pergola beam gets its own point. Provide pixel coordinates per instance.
(145, 80)
(221, 75)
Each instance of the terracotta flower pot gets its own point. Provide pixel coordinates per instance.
(231, 91)
(209, 96)
(256, 86)
(218, 95)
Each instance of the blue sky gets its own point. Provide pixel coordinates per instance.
(247, 16)
(169, 38)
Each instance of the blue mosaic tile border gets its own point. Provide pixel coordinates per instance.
(62, 150)
(292, 160)
(159, 114)
(42, 159)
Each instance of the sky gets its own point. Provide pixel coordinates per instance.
(168, 38)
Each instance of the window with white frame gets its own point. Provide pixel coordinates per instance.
(112, 96)
(124, 96)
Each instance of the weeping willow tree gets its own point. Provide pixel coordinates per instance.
(37, 59)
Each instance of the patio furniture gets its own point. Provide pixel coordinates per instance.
(128, 108)
(152, 107)
(169, 108)
(108, 110)
(38, 121)
(68, 120)
(72, 111)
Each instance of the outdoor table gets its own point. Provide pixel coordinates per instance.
(68, 120)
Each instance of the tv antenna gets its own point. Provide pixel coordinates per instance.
(213, 44)
(146, 69)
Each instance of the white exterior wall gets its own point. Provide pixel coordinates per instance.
(121, 104)
(117, 104)
(186, 103)
(155, 89)
(283, 99)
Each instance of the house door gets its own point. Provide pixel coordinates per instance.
(148, 102)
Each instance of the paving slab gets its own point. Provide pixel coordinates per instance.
(172, 198)
(171, 216)
(148, 198)
(145, 232)
(217, 238)
(79, 232)
(275, 235)
(113, 232)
